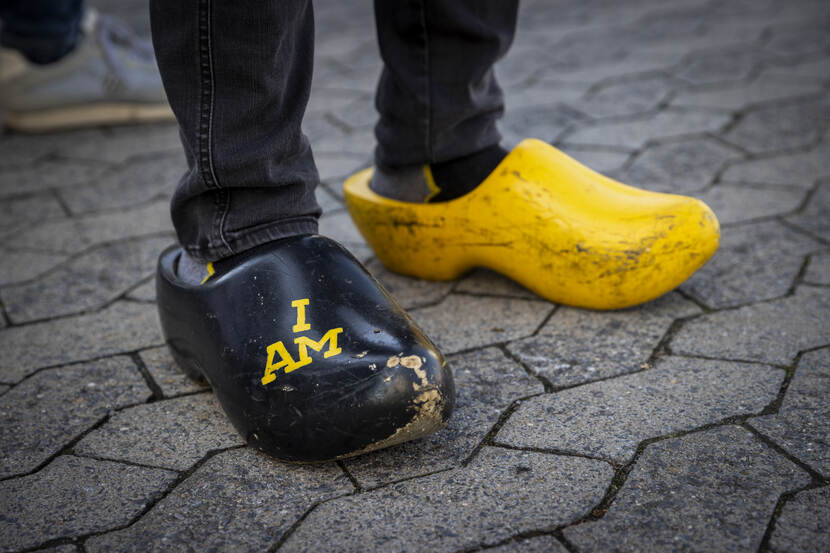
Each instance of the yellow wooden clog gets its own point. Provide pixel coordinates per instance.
(543, 219)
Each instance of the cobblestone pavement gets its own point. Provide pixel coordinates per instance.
(697, 422)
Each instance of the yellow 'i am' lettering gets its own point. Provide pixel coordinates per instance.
(331, 337)
(301, 325)
(286, 362)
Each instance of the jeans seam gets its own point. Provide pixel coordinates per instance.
(206, 108)
(227, 198)
(427, 85)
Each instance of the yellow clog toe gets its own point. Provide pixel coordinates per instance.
(562, 230)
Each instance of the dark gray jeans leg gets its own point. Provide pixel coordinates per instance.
(238, 77)
(438, 97)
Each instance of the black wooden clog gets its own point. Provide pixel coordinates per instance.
(309, 356)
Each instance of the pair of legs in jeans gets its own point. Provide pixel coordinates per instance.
(238, 76)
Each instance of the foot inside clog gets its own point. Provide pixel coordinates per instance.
(437, 182)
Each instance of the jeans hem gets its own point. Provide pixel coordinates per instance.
(249, 239)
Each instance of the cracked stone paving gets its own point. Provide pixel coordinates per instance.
(697, 422)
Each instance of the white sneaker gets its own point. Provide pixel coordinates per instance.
(109, 78)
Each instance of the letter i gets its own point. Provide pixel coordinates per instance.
(301, 325)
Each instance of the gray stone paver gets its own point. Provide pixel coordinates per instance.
(519, 66)
(18, 151)
(684, 167)
(128, 185)
(798, 40)
(542, 122)
(800, 169)
(818, 271)
(486, 383)
(334, 139)
(335, 166)
(364, 52)
(604, 162)
(760, 12)
(73, 496)
(410, 292)
(728, 32)
(802, 525)
(167, 374)
(771, 332)
(725, 101)
(576, 15)
(738, 203)
(640, 63)
(761, 90)
(340, 227)
(145, 291)
(121, 327)
(609, 419)
(697, 493)
(486, 282)
(325, 99)
(754, 262)
(23, 212)
(774, 128)
(77, 234)
(814, 217)
(810, 71)
(239, 500)
(172, 433)
(359, 114)
(86, 282)
(574, 50)
(539, 544)
(327, 200)
(577, 345)
(359, 79)
(543, 93)
(461, 508)
(20, 266)
(634, 134)
(624, 98)
(317, 125)
(119, 144)
(718, 66)
(53, 407)
(362, 252)
(802, 424)
(463, 322)
(58, 549)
